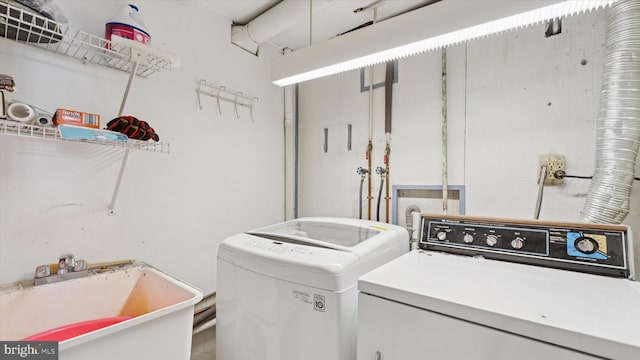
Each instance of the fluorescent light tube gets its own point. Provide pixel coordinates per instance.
(435, 26)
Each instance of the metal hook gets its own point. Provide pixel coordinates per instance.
(255, 99)
(221, 88)
(235, 103)
(198, 92)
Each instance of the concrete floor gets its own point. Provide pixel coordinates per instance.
(203, 345)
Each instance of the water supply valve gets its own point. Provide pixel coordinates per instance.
(362, 171)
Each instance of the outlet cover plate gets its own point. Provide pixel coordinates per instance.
(554, 162)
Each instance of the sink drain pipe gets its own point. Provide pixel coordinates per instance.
(204, 314)
(618, 125)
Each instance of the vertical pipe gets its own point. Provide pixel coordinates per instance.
(370, 145)
(369, 165)
(445, 181)
(369, 152)
(388, 98)
(289, 151)
(297, 153)
(388, 91)
(387, 152)
(310, 22)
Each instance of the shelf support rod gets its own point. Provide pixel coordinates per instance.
(123, 165)
(125, 157)
(132, 76)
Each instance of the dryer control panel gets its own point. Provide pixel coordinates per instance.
(591, 248)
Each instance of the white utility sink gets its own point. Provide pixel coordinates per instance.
(153, 314)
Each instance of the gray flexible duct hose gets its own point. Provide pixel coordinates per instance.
(618, 125)
(409, 217)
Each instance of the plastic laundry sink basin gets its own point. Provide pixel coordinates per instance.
(130, 312)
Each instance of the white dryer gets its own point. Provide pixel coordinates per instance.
(496, 289)
(288, 291)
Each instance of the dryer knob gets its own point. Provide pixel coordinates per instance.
(586, 245)
(442, 235)
(517, 243)
(468, 238)
(492, 240)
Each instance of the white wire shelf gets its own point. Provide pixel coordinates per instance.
(14, 128)
(29, 28)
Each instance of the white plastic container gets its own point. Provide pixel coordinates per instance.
(127, 23)
(161, 306)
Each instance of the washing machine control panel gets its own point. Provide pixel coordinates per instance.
(598, 249)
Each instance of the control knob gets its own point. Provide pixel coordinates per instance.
(468, 238)
(517, 243)
(441, 235)
(492, 240)
(586, 245)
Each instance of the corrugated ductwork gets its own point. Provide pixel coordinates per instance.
(618, 125)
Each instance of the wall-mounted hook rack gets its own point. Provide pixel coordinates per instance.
(221, 93)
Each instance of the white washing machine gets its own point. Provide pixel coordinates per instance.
(482, 288)
(288, 291)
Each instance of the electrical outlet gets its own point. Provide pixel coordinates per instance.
(553, 162)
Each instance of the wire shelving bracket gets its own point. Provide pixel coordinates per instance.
(121, 54)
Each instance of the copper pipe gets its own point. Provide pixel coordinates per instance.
(387, 152)
(369, 197)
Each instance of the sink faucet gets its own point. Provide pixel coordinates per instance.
(68, 268)
(65, 263)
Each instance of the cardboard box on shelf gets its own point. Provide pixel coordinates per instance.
(78, 118)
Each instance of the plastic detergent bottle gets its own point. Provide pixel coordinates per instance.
(127, 23)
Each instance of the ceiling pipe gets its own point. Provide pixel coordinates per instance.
(272, 22)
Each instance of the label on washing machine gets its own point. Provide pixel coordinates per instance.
(302, 296)
(318, 302)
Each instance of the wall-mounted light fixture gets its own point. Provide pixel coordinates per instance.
(438, 25)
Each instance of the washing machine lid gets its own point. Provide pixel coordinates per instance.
(317, 267)
(331, 233)
(326, 253)
(594, 314)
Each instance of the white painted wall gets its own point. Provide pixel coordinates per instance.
(223, 175)
(226, 175)
(512, 98)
